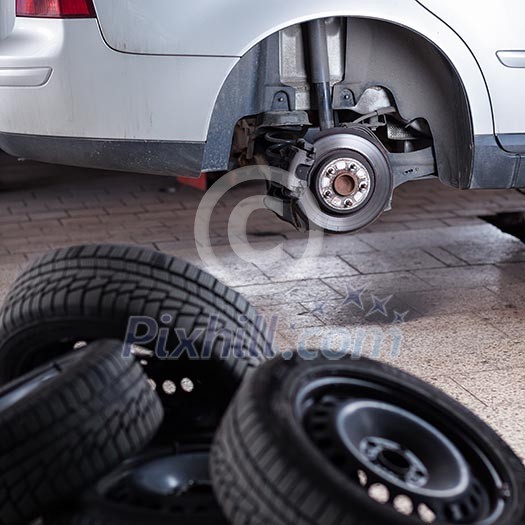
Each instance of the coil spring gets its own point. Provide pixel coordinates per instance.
(280, 140)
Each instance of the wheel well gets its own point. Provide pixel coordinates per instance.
(423, 83)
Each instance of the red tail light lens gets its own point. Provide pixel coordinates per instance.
(55, 8)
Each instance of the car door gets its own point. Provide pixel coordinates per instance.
(494, 33)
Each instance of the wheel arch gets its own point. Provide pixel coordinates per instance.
(417, 50)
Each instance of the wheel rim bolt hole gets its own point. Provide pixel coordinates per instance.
(169, 387)
(362, 478)
(425, 513)
(379, 493)
(403, 505)
(187, 385)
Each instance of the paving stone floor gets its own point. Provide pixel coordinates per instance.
(431, 287)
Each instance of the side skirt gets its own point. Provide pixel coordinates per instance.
(137, 156)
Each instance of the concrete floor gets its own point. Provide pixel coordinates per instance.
(431, 287)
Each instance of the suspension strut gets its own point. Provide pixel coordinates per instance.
(320, 71)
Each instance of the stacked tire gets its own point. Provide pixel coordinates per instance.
(80, 294)
(139, 389)
(357, 442)
(207, 340)
(68, 423)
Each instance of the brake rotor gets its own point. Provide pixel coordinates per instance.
(350, 180)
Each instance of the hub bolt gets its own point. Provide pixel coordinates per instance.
(363, 186)
(332, 171)
(371, 452)
(353, 168)
(414, 477)
(327, 194)
(348, 203)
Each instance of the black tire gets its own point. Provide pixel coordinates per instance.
(277, 460)
(187, 498)
(90, 292)
(65, 425)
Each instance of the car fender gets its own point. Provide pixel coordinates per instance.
(232, 27)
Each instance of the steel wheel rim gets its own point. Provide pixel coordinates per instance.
(193, 392)
(34, 380)
(401, 456)
(322, 409)
(174, 484)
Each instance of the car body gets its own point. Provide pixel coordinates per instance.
(167, 87)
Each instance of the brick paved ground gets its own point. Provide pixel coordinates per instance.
(457, 282)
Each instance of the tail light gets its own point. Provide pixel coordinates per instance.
(55, 8)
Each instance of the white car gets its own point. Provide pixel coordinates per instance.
(351, 97)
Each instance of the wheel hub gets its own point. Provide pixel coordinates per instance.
(344, 184)
(392, 458)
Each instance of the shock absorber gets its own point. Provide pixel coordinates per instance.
(320, 71)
